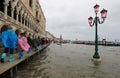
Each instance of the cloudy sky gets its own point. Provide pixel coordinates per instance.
(70, 18)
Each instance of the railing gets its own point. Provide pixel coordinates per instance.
(9, 18)
(12, 67)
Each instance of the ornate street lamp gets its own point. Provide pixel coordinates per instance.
(95, 21)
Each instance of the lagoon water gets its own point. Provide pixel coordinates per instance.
(72, 61)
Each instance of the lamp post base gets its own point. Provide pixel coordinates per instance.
(96, 61)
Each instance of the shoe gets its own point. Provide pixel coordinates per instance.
(2, 60)
(37, 48)
(42, 46)
(29, 51)
(21, 54)
(11, 58)
(2, 57)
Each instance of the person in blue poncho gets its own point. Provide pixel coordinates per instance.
(9, 39)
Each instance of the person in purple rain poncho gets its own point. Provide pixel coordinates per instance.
(24, 46)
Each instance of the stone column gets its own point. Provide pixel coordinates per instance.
(29, 21)
(17, 15)
(25, 16)
(24, 19)
(21, 15)
(5, 9)
(32, 24)
(12, 9)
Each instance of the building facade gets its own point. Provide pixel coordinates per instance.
(50, 36)
(25, 15)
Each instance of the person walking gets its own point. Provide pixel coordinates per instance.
(9, 39)
(23, 43)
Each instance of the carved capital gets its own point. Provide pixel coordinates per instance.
(13, 4)
(6, 3)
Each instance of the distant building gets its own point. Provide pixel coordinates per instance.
(26, 15)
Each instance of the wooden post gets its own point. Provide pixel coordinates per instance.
(11, 73)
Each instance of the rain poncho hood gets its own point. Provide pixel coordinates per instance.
(8, 38)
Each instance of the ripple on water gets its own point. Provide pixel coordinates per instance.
(72, 61)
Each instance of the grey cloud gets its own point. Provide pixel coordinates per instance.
(69, 17)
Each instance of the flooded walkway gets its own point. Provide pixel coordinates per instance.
(72, 61)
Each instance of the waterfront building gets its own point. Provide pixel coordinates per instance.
(25, 15)
(50, 36)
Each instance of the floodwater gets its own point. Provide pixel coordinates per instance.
(72, 61)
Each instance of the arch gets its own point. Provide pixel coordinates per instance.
(30, 24)
(1, 6)
(30, 3)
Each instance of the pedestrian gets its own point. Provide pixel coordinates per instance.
(38, 43)
(30, 41)
(35, 43)
(23, 43)
(18, 31)
(43, 42)
(9, 39)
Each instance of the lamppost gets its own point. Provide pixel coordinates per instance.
(95, 22)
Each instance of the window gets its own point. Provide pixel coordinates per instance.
(30, 3)
(15, 13)
(23, 20)
(1, 5)
(19, 17)
(9, 9)
(26, 21)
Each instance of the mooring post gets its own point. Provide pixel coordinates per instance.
(11, 73)
(16, 71)
(27, 60)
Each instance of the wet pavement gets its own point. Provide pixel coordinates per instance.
(72, 61)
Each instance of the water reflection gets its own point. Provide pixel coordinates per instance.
(72, 61)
